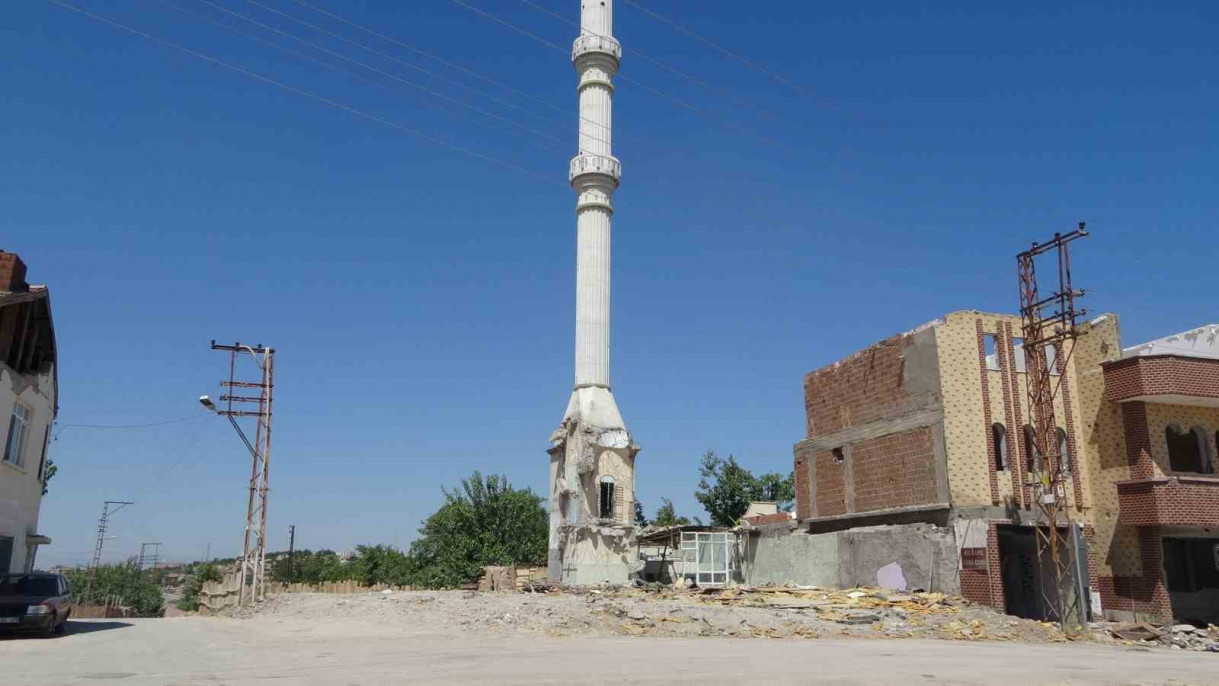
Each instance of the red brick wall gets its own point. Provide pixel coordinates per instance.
(986, 586)
(12, 273)
(862, 388)
(778, 518)
(1163, 502)
(831, 485)
(1137, 376)
(894, 470)
(1138, 440)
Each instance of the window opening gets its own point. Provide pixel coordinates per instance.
(606, 509)
(1032, 456)
(1018, 352)
(999, 434)
(1051, 358)
(17, 428)
(1064, 454)
(992, 352)
(839, 456)
(1186, 449)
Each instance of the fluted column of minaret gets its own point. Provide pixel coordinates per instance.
(594, 176)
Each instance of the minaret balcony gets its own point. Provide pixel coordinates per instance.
(596, 165)
(590, 44)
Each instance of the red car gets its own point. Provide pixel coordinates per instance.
(34, 602)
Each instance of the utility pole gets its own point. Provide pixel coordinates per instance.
(1049, 323)
(103, 523)
(291, 552)
(150, 560)
(254, 547)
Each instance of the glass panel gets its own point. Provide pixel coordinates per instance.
(718, 560)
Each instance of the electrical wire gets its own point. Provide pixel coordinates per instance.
(625, 79)
(404, 63)
(412, 84)
(311, 96)
(62, 427)
(719, 90)
(709, 43)
(441, 60)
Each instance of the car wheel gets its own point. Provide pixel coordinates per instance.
(49, 629)
(63, 625)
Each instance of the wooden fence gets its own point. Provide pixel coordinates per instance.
(342, 587)
(111, 608)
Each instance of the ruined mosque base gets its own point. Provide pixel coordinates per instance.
(592, 494)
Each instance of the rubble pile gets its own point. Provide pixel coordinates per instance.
(1177, 637)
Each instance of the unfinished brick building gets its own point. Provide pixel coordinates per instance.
(933, 426)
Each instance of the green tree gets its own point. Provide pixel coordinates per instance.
(124, 581)
(485, 522)
(48, 471)
(666, 515)
(726, 488)
(381, 564)
(641, 519)
(198, 574)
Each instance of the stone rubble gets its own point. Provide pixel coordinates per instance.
(777, 613)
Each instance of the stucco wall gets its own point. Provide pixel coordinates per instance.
(904, 556)
(20, 488)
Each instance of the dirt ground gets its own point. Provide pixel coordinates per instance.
(593, 637)
(759, 613)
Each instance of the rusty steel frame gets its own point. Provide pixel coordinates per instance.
(254, 545)
(1051, 322)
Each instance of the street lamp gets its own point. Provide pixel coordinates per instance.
(206, 402)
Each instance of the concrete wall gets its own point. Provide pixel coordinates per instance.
(20, 486)
(902, 557)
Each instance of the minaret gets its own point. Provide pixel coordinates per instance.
(592, 455)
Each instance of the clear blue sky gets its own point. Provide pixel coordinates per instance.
(422, 300)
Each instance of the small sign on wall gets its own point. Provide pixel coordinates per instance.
(973, 558)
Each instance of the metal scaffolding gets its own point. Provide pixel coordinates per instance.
(233, 404)
(1049, 324)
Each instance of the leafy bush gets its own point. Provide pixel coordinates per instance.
(486, 522)
(198, 575)
(124, 582)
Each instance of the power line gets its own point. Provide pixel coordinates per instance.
(55, 436)
(441, 60)
(346, 58)
(720, 90)
(387, 56)
(705, 41)
(626, 79)
(312, 96)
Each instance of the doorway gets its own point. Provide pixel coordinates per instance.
(1191, 570)
(1025, 585)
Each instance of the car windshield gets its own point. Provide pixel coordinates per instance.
(26, 585)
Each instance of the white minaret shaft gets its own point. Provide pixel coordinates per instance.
(594, 176)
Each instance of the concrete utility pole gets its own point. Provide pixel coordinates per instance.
(254, 547)
(592, 455)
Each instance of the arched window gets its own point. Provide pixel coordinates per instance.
(999, 435)
(605, 509)
(1186, 449)
(1032, 456)
(1064, 453)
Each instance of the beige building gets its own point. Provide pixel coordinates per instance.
(933, 427)
(28, 406)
